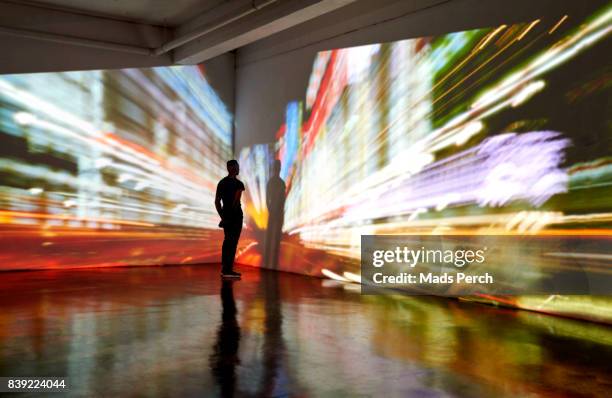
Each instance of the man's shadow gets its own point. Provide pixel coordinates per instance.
(275, 201)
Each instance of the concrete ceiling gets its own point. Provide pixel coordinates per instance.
(47, 35)
(57, 35)
(156, 12)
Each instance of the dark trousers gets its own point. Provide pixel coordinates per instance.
(231, 230)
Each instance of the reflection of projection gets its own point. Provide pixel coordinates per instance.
(501, 130)
(122, 157)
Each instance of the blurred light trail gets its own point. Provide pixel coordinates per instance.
(5, 215)
(490, 36)
(563, 18)
(527, 29)
(333, 275)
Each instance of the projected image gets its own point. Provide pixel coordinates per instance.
(503, 130)
(117, 167)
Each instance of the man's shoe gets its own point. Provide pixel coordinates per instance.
(231, 274)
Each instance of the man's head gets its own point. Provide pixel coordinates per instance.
(232, 167)
(276, 167)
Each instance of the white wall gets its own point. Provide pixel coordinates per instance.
(274, 71)
(220, 73)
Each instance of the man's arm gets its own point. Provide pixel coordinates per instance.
(218, 202)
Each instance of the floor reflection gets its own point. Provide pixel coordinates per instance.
(224, 359)
(180, 331)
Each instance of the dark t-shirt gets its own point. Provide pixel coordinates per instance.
(226, 190)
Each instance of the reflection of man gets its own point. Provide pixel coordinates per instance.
(229, 190)
(273, 347)
(275, 201)
(224, 358)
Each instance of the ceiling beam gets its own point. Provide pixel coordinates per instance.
(71, 24)
(212, 20)
(264, 22)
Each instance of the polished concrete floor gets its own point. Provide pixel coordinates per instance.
(180, 331)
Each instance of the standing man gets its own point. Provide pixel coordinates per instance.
(229, 191)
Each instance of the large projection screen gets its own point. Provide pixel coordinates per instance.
(110, 167)
(500, 130)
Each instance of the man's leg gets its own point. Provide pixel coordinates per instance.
(236, 228)
(226, 263)
(230, 242)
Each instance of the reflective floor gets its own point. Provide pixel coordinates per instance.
(178, 331)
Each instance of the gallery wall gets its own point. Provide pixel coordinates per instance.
(492, 121)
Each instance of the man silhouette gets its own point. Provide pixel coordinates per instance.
(229, 191)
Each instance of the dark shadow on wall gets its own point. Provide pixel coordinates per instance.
(275, 201)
